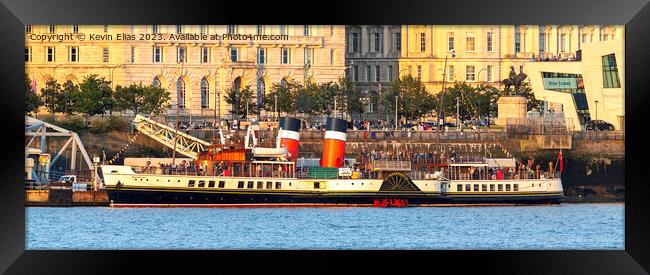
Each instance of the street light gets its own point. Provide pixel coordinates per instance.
(457, 113)
(396, 115)
(217, 94)
(396, 112)
(275, 111)
(596, 101)
(111, 71)
(478, 75)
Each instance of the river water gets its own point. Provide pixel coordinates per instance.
(565, 226)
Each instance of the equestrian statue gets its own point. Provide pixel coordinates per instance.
(513, 79)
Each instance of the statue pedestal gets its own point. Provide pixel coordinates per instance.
(511, 110)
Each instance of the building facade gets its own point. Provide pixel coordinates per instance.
(196, 63)
(476, 54)
(591, 87)
(372, 57)
(484, 53)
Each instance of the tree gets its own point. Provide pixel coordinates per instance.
(472, 101)
(141, 99)
(32, 100)
(307, 99)
(351, 96)
(52, 95)
(240, 99)
(413, 99)
(66, 98)
(94, 97)
(286, 97)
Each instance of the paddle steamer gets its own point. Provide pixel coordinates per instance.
(231, 175)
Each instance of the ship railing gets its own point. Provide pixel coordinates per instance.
(392, 165)
(506, 175)
(434, 159)
(187, 171)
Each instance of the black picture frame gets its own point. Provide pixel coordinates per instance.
(634, 14)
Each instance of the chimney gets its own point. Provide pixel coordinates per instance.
(290, 136)
(334, 145)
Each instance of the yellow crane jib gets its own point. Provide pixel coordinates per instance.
(186, 145)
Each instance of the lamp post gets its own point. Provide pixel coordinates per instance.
(396, 115)
(596, 101)
(275, 111)
(217, 95)
(396, 112)
(457, 113)
(478, 75)
(111, 71)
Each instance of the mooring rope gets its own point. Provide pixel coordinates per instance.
(123, 150)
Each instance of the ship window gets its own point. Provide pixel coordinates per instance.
(459, 187)
(500, 187)
(201, 183)
(222, 184)
(240, 184)
(211, 183)
(515, 187)
(316, 185)
(475, 187)
(491, 187)
(260, 185)
(484, 187)
(249, 185)
(113, 171)
(278, 185)
(507, 187)
(190, 183)
(269, 185)
(468, 187)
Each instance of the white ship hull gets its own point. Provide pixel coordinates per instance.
(129, 188)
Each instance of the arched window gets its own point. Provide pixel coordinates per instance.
(180, 90)
(204, 93)
(236, 85)
(261, 92)
(156, 82)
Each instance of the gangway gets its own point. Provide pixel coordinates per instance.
(186, 144)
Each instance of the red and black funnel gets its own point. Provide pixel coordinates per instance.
(334, 144)
(290, 136)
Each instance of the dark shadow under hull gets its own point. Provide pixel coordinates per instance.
(152, 198)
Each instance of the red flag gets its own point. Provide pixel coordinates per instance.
(559, 157)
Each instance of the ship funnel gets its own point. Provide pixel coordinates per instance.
(290, 136)
(334, 145)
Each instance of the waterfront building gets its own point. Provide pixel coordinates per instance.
(196, 71)
(588, 87)
(484, 54)
(372, 58)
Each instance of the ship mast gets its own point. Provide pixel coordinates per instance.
(178, 107)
